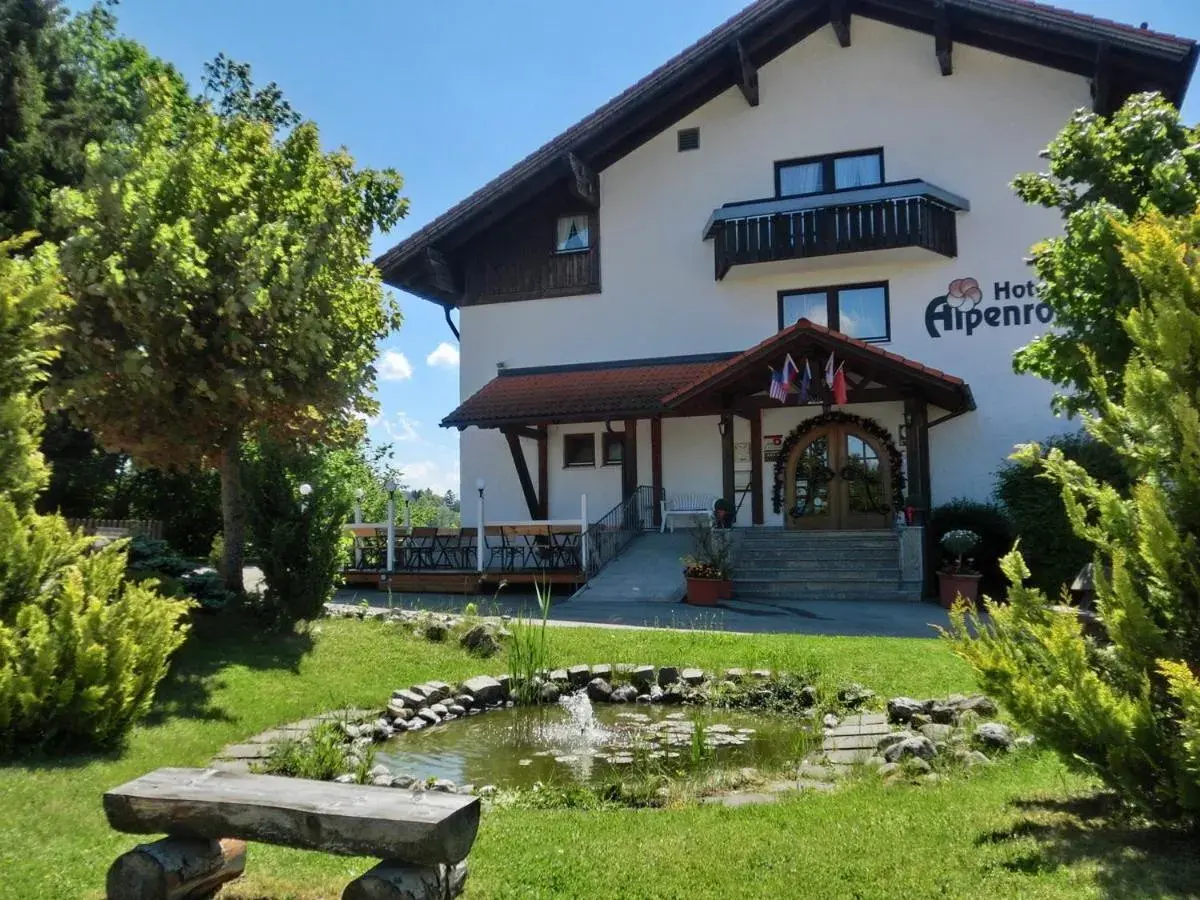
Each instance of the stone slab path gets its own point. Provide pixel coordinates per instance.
(854, 738)
(241, 756)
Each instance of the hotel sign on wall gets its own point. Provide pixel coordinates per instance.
(963, 309)
(771, 446)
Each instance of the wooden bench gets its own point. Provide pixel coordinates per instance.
(422, 837)
(686, 505)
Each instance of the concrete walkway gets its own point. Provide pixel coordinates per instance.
(650, 570)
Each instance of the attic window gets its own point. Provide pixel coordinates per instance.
(573, 234)
(689, 139)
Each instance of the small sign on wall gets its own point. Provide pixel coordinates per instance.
(771, 445)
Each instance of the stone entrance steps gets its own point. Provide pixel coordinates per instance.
(778, 565)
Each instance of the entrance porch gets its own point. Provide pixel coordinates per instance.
(708, 426)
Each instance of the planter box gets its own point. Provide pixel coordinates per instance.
(707, 591)
(950, 586)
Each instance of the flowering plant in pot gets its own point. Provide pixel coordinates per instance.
(958, 578)
(707, 568)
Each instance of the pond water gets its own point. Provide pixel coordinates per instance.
(574, 741)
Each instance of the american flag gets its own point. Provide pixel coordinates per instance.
(779, 387)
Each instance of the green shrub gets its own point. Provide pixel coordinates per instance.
(301, 544)
(994, 528)
(1052, 550)
(322, 755)
(81, 648)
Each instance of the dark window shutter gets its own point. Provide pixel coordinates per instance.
(689, 139)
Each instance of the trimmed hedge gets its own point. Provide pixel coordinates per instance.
(1034, 504)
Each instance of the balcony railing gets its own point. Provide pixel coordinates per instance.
(884, 217)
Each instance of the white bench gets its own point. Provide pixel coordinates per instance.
(690, 505)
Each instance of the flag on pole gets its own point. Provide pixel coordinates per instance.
(790, 373)
(805, 382)
(778, 390)
(829, 372)
(839, 386)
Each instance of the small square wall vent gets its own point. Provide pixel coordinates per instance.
(689, 139)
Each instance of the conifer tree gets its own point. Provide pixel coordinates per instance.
(1126, 708)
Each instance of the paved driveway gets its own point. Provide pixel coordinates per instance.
(832, 617)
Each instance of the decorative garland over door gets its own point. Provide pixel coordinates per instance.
(867, 426)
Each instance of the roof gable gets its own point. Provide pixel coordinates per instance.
(1121, 59)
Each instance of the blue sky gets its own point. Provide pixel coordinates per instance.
(450, 93)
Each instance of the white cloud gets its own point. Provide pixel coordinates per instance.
(399, 428)
(437, 475)
(445, 356)
(394, 366)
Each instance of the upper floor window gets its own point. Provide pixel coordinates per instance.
(858, 310)
(822, 174)
(574, 234)
(614, 449)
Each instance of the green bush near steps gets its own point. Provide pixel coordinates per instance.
(995, 531)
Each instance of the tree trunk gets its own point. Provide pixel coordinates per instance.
(233, 513)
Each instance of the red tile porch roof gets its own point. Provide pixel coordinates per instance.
(594, 392)
(579, 393)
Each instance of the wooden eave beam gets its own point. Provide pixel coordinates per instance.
(533, 434)
(439, 272)
(839, 18)
(747, 74)
(583, 183)
(1102, 80)
(943, 44)
(522, 467)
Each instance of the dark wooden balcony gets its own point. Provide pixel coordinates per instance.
(858, 220)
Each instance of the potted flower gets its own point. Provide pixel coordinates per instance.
(707, 569)
(958, 578)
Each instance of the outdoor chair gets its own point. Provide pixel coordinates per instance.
(419, 548)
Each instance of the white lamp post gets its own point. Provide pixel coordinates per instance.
(358, 498)
(480, 484)
(305, 492)
(390, 487)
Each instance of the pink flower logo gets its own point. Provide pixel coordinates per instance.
(964, 293)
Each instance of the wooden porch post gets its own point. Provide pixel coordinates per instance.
(629, 472)
(727, 486)
(543, 463)
(656, 473)
(756, 468)
(916, 449)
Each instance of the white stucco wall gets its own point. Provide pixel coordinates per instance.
(969, 133)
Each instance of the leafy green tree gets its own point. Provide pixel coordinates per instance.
(65, 81)
(222, 286)
(1103, 172)
(1127, 709)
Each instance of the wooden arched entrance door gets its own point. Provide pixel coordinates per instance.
(837, 478)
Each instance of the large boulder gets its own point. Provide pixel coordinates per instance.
(667, 675)
(548, 692)
(578, 676)
(483, 689)
(993, 736)
(481, 640)
(599, 690)
(980, 705)
(693, 677)
(913, 747)
(900, 710)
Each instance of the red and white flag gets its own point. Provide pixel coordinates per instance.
(839, 386)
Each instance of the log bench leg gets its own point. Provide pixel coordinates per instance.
(395, 880)
(176, 869)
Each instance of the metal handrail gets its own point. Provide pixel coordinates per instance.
(614, 531)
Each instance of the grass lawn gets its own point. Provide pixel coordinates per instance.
(1025, 827)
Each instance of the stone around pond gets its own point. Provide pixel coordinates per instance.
(643, 677)
(900, 710)
(578, 676)
(937, 732)
(549, 692)
(599, 690)
(483, 689)
(603, 670)
(693, 677)
(667, 675)
(919, 747)
(626, 693)
(994, 736)
(409, 698)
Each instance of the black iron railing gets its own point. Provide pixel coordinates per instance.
(764, 234)
(612, 533)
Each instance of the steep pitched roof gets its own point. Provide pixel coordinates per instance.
(1139, 58)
